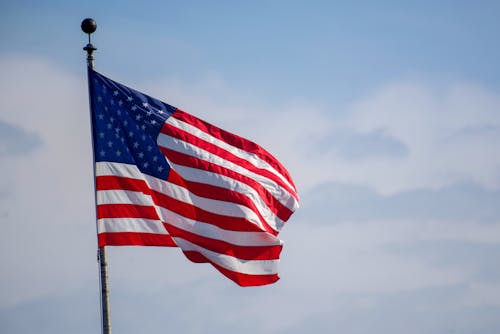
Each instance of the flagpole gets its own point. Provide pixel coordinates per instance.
(89, 26)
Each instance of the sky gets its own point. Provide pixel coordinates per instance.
(386, 114)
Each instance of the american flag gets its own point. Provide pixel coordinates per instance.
(167, 178)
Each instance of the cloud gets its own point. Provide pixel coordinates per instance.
(361, 203)
(53, 315)
(358, 147)
(363, 267)
(451, 132)
(363, 241)
(482, 294)
(46, 247)
(15, 140)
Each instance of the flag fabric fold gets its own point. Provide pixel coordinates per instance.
(166, 178)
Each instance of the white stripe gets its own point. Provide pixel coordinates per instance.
(280, 193)
(214, 179)
(250, 157)
(140, 225)
(249, 267)
(239, 238)
(106, 168)
(123, 197)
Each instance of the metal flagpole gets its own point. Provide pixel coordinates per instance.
(88, 27)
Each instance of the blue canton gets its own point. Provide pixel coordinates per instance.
(126, 124)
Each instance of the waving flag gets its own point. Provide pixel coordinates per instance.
(167, 178)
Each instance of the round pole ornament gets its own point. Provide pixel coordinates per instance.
(89, 25)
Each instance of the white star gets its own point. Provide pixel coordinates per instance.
(129, 98)
(120, 103)
(160, 168)
(138, 117)
(149, 148)
(110, 125)
(153, 122)
(105, 108)
(111, 119)
(143, 127)
(145, 165)
(119, 112)
(118, 153)
(145, 104)
(134, 107)
(125, 122)
(110, 143)
(141, 155)
(130, 134)
(117, 129)
(155, 158)
(115, 93)
(100, 116)
(143, 137)
(101, 134)
(99, 98)
(112, 102)
(102, 153)
(149, 112)
(136, 145)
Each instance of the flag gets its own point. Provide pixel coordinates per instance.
(167, 178)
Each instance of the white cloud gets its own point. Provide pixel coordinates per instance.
(47, 244)
(481, 294)
(452, 133)
(49, 200)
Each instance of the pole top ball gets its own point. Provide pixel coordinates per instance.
(89, 25)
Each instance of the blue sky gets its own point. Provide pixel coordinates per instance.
(386, 114)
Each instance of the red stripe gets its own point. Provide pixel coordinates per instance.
(172, 131)
(121, 183)
(126, 211)
(234, 140)
(186, 160)
(239, 278)
(135, 239)
(241, 252)
(195, 257)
